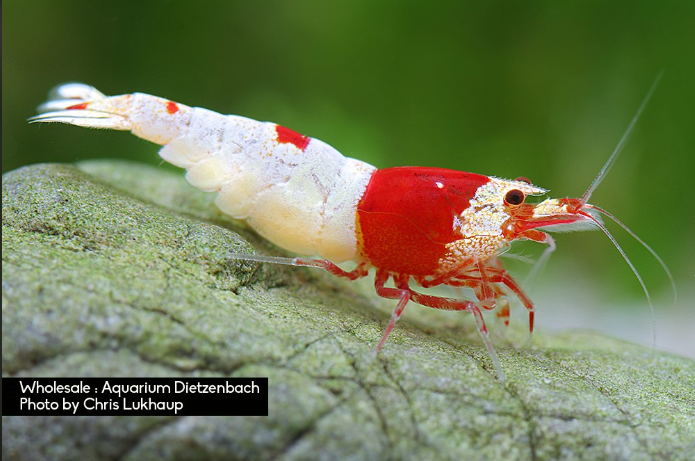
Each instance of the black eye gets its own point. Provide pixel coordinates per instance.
(514, 197)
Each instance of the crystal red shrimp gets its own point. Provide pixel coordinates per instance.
(427, 226)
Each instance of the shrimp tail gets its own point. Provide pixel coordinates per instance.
(81, 105)
(156, 119)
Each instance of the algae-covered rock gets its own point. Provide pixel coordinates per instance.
(120, 269)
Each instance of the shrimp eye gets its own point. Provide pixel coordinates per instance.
(514, 197)
(523, 179)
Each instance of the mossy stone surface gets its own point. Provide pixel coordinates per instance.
(119, 269)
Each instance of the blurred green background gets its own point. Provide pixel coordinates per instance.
(541, 89)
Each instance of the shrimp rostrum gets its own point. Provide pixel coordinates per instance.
(413, 225)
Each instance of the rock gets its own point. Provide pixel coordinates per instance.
(120, 269)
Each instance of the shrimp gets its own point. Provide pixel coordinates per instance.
(427, 226)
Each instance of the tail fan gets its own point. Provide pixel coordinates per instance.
(78, 104)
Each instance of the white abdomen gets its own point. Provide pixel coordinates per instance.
(301, 193)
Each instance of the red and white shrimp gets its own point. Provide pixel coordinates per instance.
(428, 226)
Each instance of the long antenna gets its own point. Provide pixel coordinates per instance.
(644, 244)
(632, 266)
(621, 143)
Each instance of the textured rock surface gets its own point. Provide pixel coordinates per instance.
(119, 269)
